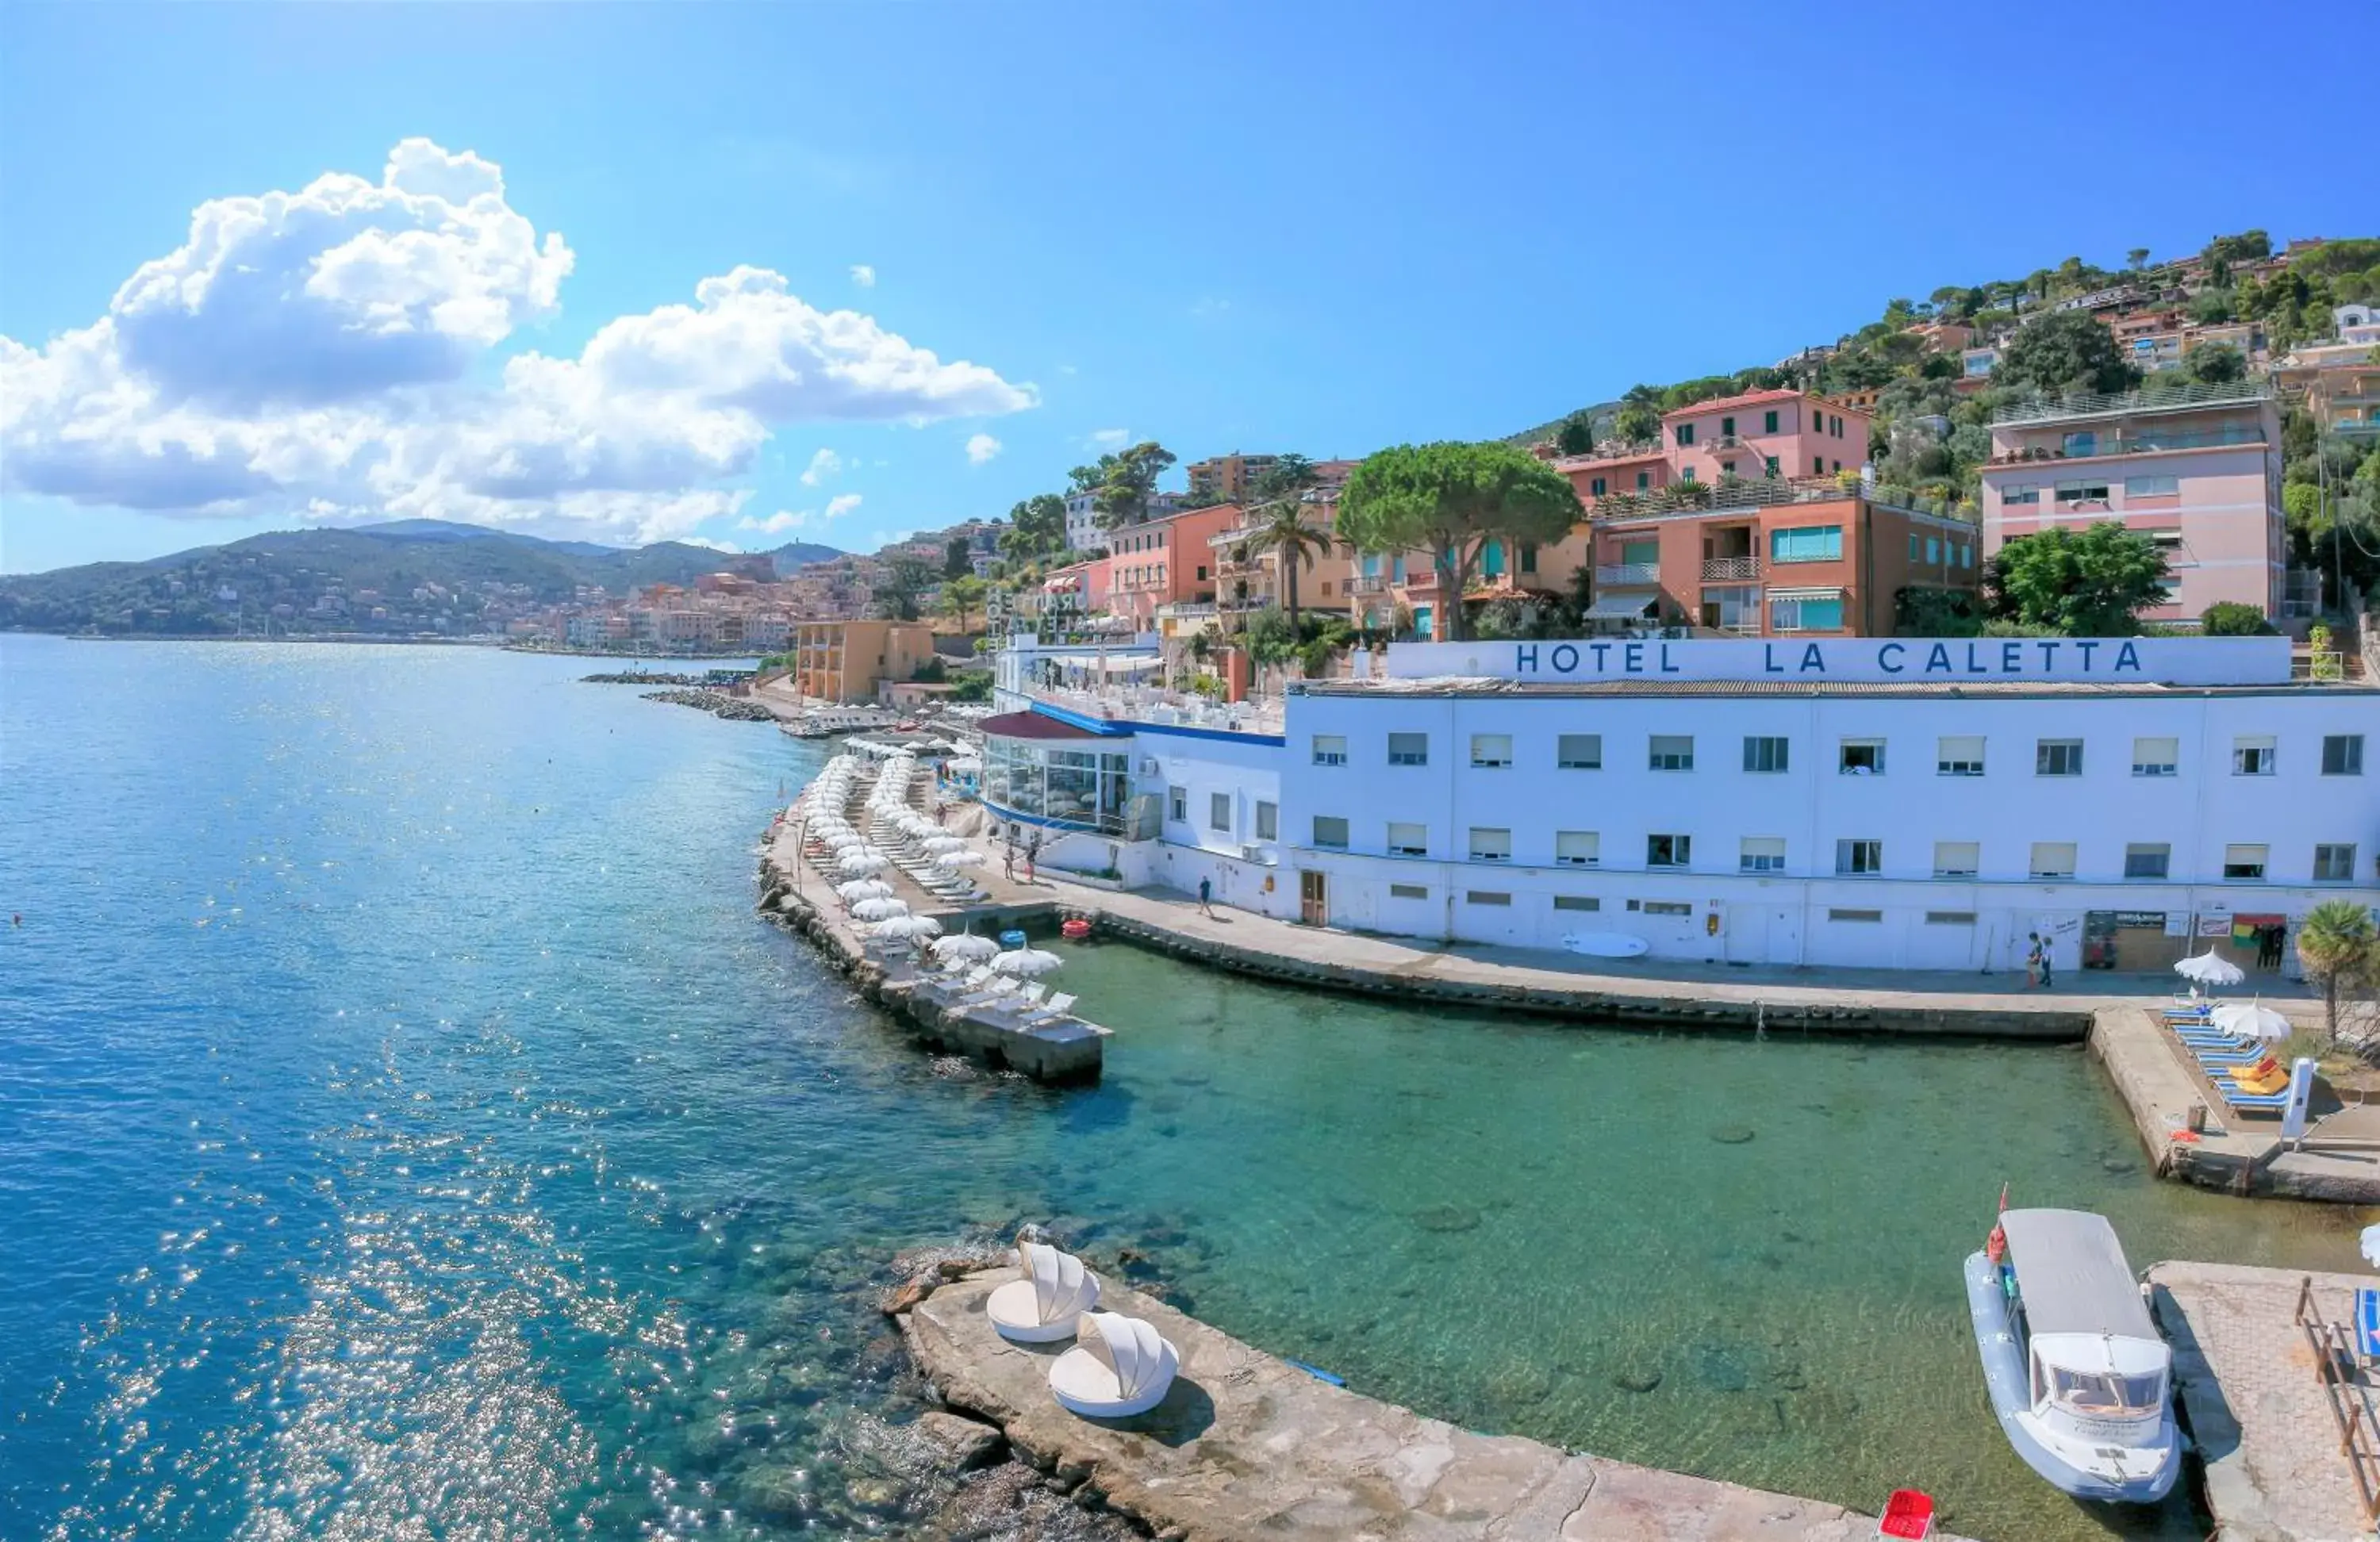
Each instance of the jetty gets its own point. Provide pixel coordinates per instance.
(1246, 1445)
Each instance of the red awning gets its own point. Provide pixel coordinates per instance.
(1031, 725)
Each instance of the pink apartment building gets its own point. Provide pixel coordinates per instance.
(1165, 561)
(1765, 433)
(2196, 468)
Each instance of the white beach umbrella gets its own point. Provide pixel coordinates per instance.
(966, 763)
(2253, 1019)
(912, 928)
(2372, 1244)
(966, 945)
(860, 889)
(960, 859)
(1026, 961)
(880, 910)
(2208, 969)
(859, 862)
(938, 844)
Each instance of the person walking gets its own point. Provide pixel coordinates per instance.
(1206, 897)
(1008, 857)
(2046, 983)
(1032, 851)
(2032, 960)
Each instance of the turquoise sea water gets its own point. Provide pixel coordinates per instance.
(406, 1124)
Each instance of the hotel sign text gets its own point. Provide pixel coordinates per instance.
(1933, 660)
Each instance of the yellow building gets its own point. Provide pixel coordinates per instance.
(844, 661)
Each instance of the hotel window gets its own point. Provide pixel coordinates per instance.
(1685, 434)
(1662, 908)
(1482, 896)
(1267, 821)
(1329, 749)
(1489, 845)
(1861, 758)
(2058, 758)
(1596, 487)
(2156, 757)
(1761, 853)
(1578, 848)
(1219, 812)
(1859, 858)
(1810, 543)
(1671, 752)
(2342, 754)
(1407, 891)
(2052, 859)
(1409, 749)
(1806, 613)
(1177, 805)
(1668, 851)
(1957, 858)
(2073, 494)
(1577, 902)
(1491, 749)
(1860, 915)
(2251, 755)
(1408, 840)
(1766, 754)
(2152, 487)
(1958, 755)
(2147, 861)
(1769, 422)
(2020, 492)
(2245, 864)
(1644, 480)
(1579, 752)
(1949, 918)
(2334, 864)
(1330, 833)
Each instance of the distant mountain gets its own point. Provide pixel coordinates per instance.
(402, 578)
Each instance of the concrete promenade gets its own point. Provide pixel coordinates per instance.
(1246, 1446)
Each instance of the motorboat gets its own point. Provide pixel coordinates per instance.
(2077, 1373)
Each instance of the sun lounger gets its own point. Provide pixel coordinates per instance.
(1059, 1006)
(1119, 1367)
(2367, 1325)
(1048, 1298)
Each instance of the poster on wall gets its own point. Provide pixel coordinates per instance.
(2176, 924)
(2215, 926)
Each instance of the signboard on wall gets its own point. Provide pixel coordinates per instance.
(1920, 660)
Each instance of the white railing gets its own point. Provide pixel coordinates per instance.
(2087, 404)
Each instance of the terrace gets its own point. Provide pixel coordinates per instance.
(2173, 396)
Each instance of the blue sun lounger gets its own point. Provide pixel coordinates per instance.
(2367, 1325)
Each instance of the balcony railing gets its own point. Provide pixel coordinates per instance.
(1624, 573)
(2161, 397)
(1721, 570)
(1686, 500)
(1421, 580)
(1367, 583)
(2137, 444)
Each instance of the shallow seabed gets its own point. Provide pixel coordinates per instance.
(403, 1115)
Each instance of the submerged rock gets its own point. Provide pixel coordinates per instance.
(1447, 1218)
(1636, 1379)
(1732, 1135)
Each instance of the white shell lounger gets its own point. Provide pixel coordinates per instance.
(1050, 1293)
(1119, 1366)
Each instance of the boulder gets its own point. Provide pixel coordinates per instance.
(962, 1442)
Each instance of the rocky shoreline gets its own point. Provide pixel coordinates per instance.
(719, 704)
(641, 677)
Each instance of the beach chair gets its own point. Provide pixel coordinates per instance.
(1060, 1007)
(2367, 1326)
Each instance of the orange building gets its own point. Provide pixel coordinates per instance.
(1165, 561)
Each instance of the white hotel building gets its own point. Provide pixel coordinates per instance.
(1866, 802)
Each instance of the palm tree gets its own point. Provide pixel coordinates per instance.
(2337, 944)
(1279, 508)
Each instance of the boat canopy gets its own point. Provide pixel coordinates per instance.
(2071, 1273)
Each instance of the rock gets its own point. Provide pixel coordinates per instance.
(962, 1442)
(1719, 1370)
(902, 1297)
(1732, 1135)
(1636, 1379)
(1447, 1218)
(780, 1492)
(874, 1493)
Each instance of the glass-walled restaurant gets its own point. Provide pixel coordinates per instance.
(1070, 782)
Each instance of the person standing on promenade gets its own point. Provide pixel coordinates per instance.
(2032, 960)
(1008, 856)
(1032, 851)
(1206, 897)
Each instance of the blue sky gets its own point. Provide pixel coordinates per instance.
(1310, 226)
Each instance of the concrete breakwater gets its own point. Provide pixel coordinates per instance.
(642, 677)
(719, 704)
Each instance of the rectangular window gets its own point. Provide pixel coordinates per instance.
(1810, 543)
(1644, 480)
(2147, 861)
(1665, 907)
(1596, 487)
(2251, 755)
(1957, 858)
(1640, 554)
(1761, 853)
(1489, 844)
(2245, 864)
(1861, 758)
(1331, 749)
(1409, 749)
(2058, 758)
(1769, 422)
(1859, 858)
(2076, 493)
(2156, 757)
(1763, 754)
(1773, 469)
(1860, 917)
(1933, 550)
(2083, 441)
(1949, 918)
(1219, 812)
(1671, 752)
(1958, 755)
(1685, 434)
(1577, 902)
(1578, 848)
(2052, 859)
(1267, 821)
(1331, 831)
(2020, 492)
(1491, 749)
(1806, 615)
(1835, 430)
(1177, 805)
(1913, 546)
(2342, 754)
(1579, 752)
(1407, 891)
(2334, 864)
(1668, 851)
(1726, 428)
(2152, 487)
(1408, 840)
(1483, 896)
(1528, 559)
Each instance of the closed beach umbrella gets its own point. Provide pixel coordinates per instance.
(960, 859)
(880, 910)
(966, 945)
(2208, 969)
(860, 889)
(907, 929)
(1026, 961)
(2253, 1020)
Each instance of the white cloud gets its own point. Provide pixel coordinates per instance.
(1110, 438)
(707, 543)
(863, 275)
(841, 504)
(981, 447)
(824, 464)
(319, 354)
(778, 523)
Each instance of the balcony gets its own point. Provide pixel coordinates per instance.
(1625, 573)
(1421, 581)
(1724, 441)
(2174, 396)
(2139, 444)
(1367, 583)
(1729, 570)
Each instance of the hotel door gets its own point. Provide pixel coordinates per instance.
(1313, 899)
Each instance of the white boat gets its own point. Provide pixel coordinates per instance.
(2078, 1374)
(1605, 944)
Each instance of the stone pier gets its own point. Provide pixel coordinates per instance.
(1245, 1446)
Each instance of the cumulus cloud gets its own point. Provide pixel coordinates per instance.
(824, 464)
(319, 354)
(863, 275)
(778, 523)
(1109, 439)
(981, 447)
(841, 504)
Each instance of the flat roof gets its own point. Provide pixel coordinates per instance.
(1486, 685)
(2073, 1276)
